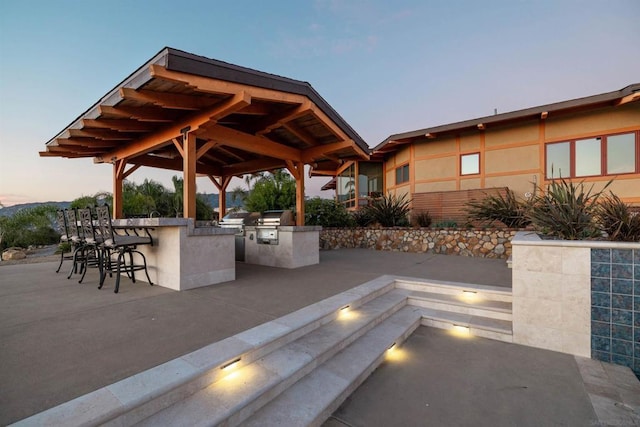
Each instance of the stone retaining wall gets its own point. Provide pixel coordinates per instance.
(468, 242)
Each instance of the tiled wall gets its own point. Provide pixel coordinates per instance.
(615, 306)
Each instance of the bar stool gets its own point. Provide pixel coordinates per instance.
(122, 245)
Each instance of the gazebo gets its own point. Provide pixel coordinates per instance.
(206, 117)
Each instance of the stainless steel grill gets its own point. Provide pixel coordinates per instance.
(239, 220)
(267, 228)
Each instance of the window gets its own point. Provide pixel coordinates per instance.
(558, 160)
(588, 157)
(598, 156)
(621, 154)
(402, 174)
(470, 164)
(369, 178)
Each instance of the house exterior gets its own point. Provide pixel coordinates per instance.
(592, 139)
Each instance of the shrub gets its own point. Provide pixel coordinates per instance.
(30, 226)
(389, 210)
(566, 211)
(362, 217)
(447, 223)
(506, 209)
(617, 220)
(421, 219)
(327, 213)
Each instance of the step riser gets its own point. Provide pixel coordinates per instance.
(268, 395)
(376, 312)
(473, 331)
(339, 400)
(455, 290)
(148, 409)
(312, 400)
(474, 311)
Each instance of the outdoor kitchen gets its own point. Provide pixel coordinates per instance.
(186, 255)
(272, 239)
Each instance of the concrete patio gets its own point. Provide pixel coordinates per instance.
(62, 339)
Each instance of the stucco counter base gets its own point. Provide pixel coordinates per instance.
(297, 247)
(184, 256)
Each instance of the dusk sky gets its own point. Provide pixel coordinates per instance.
(385, 66)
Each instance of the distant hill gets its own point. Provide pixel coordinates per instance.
(10, 210)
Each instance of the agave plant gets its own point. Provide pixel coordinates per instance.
(566, 211)
(617, 220)
(496, 207)
(389, 210)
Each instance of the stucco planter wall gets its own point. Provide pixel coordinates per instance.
(492, 243)
(578, 297)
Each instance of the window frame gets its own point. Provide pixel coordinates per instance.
(402, 168)
(479, 163)
(603, 138)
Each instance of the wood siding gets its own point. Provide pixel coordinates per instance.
(450, 205)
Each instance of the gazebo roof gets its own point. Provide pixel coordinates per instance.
(244, 120)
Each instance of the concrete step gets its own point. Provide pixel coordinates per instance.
(466, 324)
(481, 292)
(139, 396)
(462, 303)
(316, 396)
(232, 399)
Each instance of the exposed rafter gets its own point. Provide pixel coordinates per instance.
(311, 154)
(263, 146)
(105, 134)
(122, 125)
(166, 100)
(278, 120)
(144, 114)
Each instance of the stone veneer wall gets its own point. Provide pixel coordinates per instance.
(451, 241)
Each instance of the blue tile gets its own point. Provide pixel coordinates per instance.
(622, 256)
(636, 256)
(601, 314)
(600, 299)
(636, 368)
(636, 270)
(622, 317)
(601, 255)
(601, 355)
(622, 360)
(624, 302)
(621, 332)
(622, 271)
(636, 350)
(636, 282)
(636, 304)
(636, 332)
(600, 270)
(601, 329)
(601, 344)
(624, 348)
(622, 286)
(636, 319)
(600, 284)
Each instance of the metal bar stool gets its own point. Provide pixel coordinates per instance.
(123, 246)
(65, 238)
(76, 240)
(90, 251)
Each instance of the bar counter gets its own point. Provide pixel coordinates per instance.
(184, 256)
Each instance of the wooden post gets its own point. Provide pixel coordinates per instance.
(297, 170)
(222, 193)
(118, 178)
(189, 173)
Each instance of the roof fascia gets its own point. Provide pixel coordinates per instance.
(515, 115)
